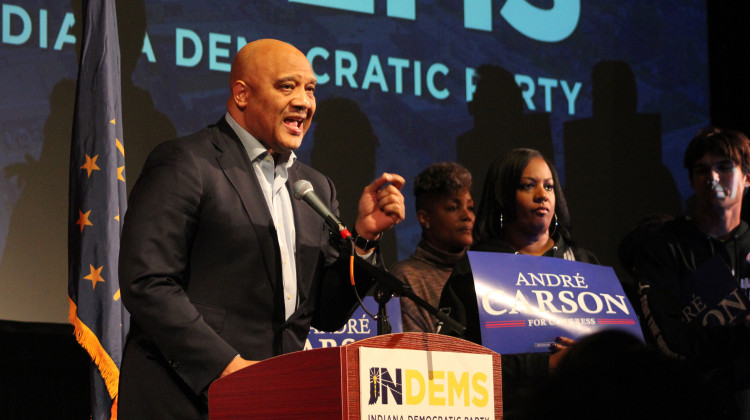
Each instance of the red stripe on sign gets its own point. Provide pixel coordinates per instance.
(616, 321)
(504, 324)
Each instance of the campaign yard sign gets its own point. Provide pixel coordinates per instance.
(711, 296)
(526, 301)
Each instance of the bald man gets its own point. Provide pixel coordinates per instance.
(219, 266)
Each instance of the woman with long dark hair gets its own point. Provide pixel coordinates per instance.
(522, 211)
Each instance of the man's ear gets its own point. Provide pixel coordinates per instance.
(423, 218)
(240, 93)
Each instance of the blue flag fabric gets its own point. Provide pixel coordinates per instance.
(97, 202)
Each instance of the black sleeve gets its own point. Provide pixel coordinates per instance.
(585, 256)
(522, 373)
(660, 286)
(459, 296)
(159, 228)
(336, 297)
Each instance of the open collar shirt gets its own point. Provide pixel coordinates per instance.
(272, 177)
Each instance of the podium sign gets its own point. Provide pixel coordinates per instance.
(526, 301)
(425, 384)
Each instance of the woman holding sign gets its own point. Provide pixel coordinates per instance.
(522, 211)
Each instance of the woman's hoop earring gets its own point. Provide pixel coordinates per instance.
(555, 229)
(501, 220)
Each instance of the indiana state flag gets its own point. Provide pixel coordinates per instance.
(97, 201)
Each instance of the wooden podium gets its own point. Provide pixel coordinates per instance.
(322, 383)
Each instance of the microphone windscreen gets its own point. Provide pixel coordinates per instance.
(301, 188)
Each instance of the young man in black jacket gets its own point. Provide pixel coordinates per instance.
(692, 260)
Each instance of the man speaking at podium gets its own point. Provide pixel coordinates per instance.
(219, 266)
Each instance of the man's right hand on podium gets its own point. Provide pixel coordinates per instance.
(236, 364)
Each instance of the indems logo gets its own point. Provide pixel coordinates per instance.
(425, 383)
(437, 388)
(381, 383)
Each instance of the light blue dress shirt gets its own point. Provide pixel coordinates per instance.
(272, 177)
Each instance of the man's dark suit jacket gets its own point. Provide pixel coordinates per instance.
(200, 273)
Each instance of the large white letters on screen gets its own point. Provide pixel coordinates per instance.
(404, 9)
(546, 25)
(359, 6)
(376, 74)
(17, 26)
(24, 34)
(528, 90)
(181, 36)
(551, 25)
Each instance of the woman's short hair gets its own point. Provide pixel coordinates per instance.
(731, 144)
(499, 195)
(439, 179)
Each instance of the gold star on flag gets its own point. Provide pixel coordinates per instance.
(90, 164)
(119, 145)
(83, 219)
(119, 173)
(95, 275)
(118, 215)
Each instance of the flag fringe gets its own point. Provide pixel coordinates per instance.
(89, 341)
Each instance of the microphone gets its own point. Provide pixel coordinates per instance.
(303, 190)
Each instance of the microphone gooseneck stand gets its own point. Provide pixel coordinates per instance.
(387, 285)
(341, 238)
(382, 297)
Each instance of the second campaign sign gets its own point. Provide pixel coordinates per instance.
(526, 301)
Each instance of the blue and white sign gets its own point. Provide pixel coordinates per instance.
(526, 301)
